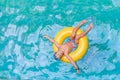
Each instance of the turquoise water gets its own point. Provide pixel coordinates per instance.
(25, 54)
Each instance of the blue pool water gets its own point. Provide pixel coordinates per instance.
(25, 54)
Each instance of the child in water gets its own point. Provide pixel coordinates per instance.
(67, 47)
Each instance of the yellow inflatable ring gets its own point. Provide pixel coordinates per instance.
(82, 46)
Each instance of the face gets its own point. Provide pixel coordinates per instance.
(59, 54)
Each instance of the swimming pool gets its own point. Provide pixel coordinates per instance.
(25, 54)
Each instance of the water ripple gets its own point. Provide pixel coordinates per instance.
(26, 54)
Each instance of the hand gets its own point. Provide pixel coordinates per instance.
(45, 36)
(91, 25)
(78, 71)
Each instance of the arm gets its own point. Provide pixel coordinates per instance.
(52, 40)
(72, 62)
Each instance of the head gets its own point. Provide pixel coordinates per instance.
(58, 55)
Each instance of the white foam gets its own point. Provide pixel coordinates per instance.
(8, 48)
(10, 44)
(11, 30)
(69, 12)
(39, 8)
(17, 50)
(50, 15)
(116, 3)
(3, 29)
(58, 16)
(10, 66)
(1, 14)
(2, 38)
(16, 70)
(20, 17)
(11, 10)
(107, 7)
(55, 6)
(21, 30)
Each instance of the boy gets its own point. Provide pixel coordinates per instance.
(67, 47)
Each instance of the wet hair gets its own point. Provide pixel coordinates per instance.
(55, 57)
